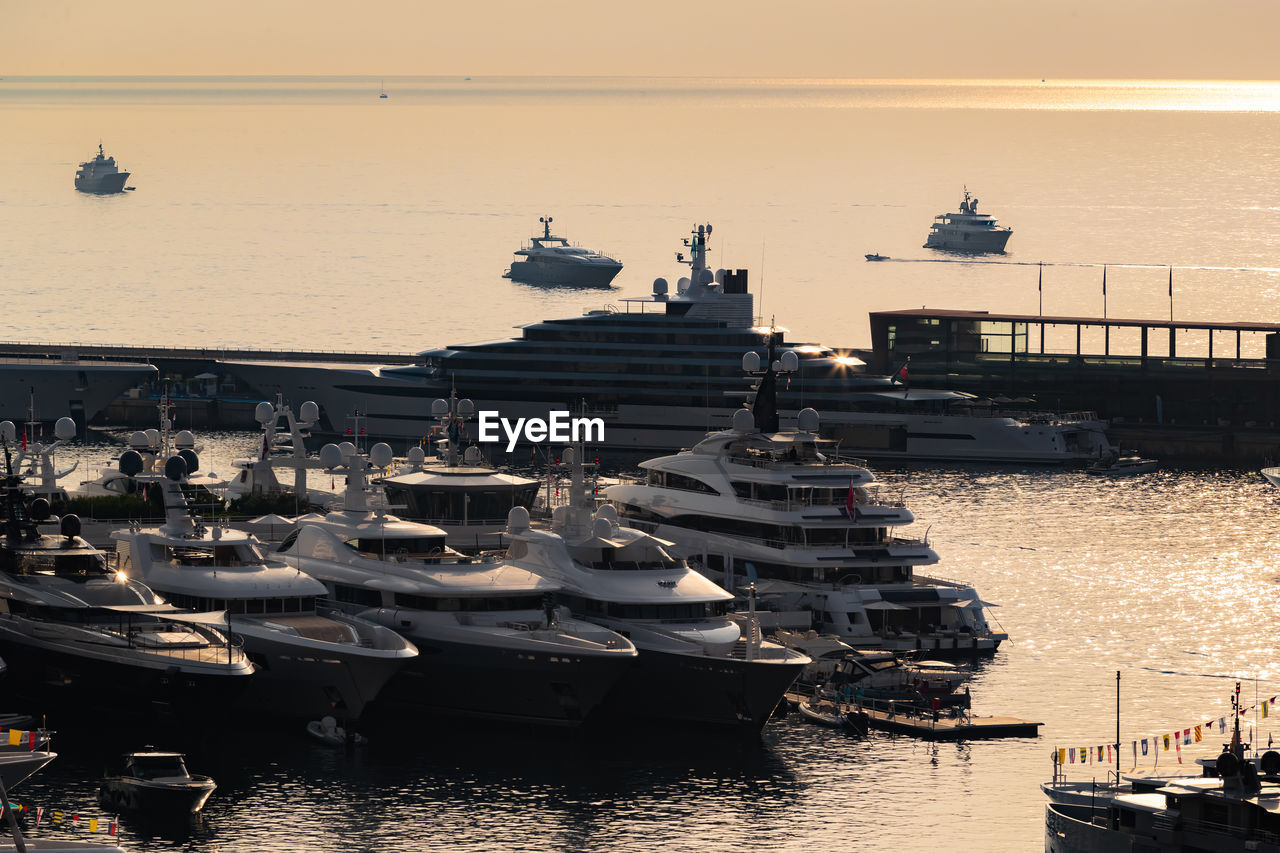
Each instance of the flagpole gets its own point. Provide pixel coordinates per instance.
(1170, 293)
(1104, 291)
(1117, 719)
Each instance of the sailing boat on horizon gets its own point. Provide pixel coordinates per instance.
(382, 87)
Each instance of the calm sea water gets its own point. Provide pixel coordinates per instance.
(309, 212)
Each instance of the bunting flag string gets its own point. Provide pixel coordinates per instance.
(1170, 741)
(64, 819)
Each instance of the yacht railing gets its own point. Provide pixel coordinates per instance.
(772, 461)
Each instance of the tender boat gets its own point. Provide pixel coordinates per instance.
(493, 644)
(100, 175)
(662, 371)
(824, 713)
(551, 260)
(327, 731)
(968, 230)
(1122, 466)
(314, 660)
(157, 784)
(876, 256)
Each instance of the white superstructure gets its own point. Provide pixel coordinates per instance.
(968, 230)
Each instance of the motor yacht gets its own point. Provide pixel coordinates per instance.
(551, 260)
(968, 230)
(77, 632)
(157, 784)
(784, 509)
(492, 643)
(313, 660)
(100, 175)
(695, 663)
(662, 371)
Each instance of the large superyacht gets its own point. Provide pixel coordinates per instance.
(493, 645)
(782, 506)
(662, 372)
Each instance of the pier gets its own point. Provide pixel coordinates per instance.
(1192, 390)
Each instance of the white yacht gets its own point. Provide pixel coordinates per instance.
(695, 663)
(78, 633)
(100, 175)
(968, 230)
(313, 661)
(492, 644)
(551, 260)
(662, 372)
(752, 502)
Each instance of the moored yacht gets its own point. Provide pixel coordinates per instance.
(695, 664)
(782, 506)
(100, 175)
(968, 230)
(662, 372)
(551, 260)
(313, 660)
(492, 644)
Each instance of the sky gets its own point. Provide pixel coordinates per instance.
(1127, 39)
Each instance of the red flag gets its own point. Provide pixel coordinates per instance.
(111, 830)
(31, 740)
(24, 439)
(849, 506)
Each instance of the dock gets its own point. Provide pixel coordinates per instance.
(952, 724)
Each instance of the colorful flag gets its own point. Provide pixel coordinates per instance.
(1062, 756)
(1166, 742)
(1197, 734)
(1186, 735)
(111, 830)
(1178, 744)
(1108, 753)
(39, 814)
(1264, 710)
(1144, 746)
(1072, 751)
(1222, 724)
(850, 507)
(93, 824)
(15, 737)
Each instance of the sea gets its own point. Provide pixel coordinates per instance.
(309, 212)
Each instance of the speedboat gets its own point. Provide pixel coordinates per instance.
(782, 509)
(314, 660)
(492, 643)
(968, 231)
(662, 371)
(100, 175)
(695, 663)
(876, 256)
(551, 260)
(155, 783)
(1122, 466)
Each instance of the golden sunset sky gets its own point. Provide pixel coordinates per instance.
(1168, 39)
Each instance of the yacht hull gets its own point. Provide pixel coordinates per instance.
(575, 275)
(556, 688)
(721, 692)
(103, 185)
(80, 390)
(972, 242)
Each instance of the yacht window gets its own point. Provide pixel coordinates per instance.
(254, 605)
(348, 594)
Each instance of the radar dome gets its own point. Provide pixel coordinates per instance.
(706, 276)
(439, 408)
(602, 528)
(8, 431)
(744, 421)
(517, 520)
(751, 362)
(330, 456)
(720, 276)
(607, 511)
(64, 429)
(807, 420)
(309, 412)
(264, 413)
(472, 455)
(660, 285)
(175, 468)
(130, 463)
(682, 285)
(380, 455)
(568, 456)
(189, 458)
(347, 449)
(416, 456)
(466, 407)
(39, 509)
(138, 441)
(790, 361)
(558, 516)
(165, 425)
(153, 437)
(185, 440)
(70, 525)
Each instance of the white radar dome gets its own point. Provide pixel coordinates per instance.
(720, 276)
(347, 449)
(607, 511)
(660, 285)
(751, 362)
(8, 431)
(517, 520)
(466, 407)
(138, 440)
(415, 456)
(471, 455)
(602, 528)
(790, 361)
(439, 408)
(65, 429)
(380, 455)
(153, 437)
(309, 412)
(706, 276)
(682, 285)
(264, 413)
(807, 420)
(185, 440)
(744, 421)
(330, 456)
(568, 456)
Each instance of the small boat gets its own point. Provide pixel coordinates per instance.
(382, 93)
(328, 732)
(551, 260)
(822, 712)
(876, 256)
(156, 783)
(100, 175)
(1122, 466)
